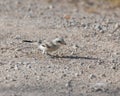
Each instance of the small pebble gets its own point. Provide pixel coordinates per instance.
(64, 75)
(84, 26)
(77, 74)
(15, 56)
(16, 67)
(50, 7)
(19, 63)
(113, 67)
(102, 87)
(103, 75)
(68, 84)
(25, 63)
(75, 46)
(13, 80)
(100, 62)
(117, 25)
(81, 64)
(91, 67)
(99, 28)
(67, 17)
(101, 31)
(17, 37)
(48, 66)
(92, 76)
(28, 66)
(38, 78)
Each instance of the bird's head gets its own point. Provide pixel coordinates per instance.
(59, 41)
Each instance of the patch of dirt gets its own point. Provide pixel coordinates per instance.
(87, 66)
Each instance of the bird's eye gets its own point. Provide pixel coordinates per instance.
(59, 41)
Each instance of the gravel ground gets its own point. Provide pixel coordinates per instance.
(89, 65)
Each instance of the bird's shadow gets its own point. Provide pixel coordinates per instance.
(74, 57)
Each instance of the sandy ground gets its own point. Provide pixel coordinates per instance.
(89, 65)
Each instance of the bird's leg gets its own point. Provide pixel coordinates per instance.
(50, 55)
(43, 52)
(46, 53)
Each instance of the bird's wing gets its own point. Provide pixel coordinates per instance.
(49, 45)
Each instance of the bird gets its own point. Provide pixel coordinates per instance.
(48, 47)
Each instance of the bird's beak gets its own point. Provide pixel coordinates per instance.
(64, 43)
